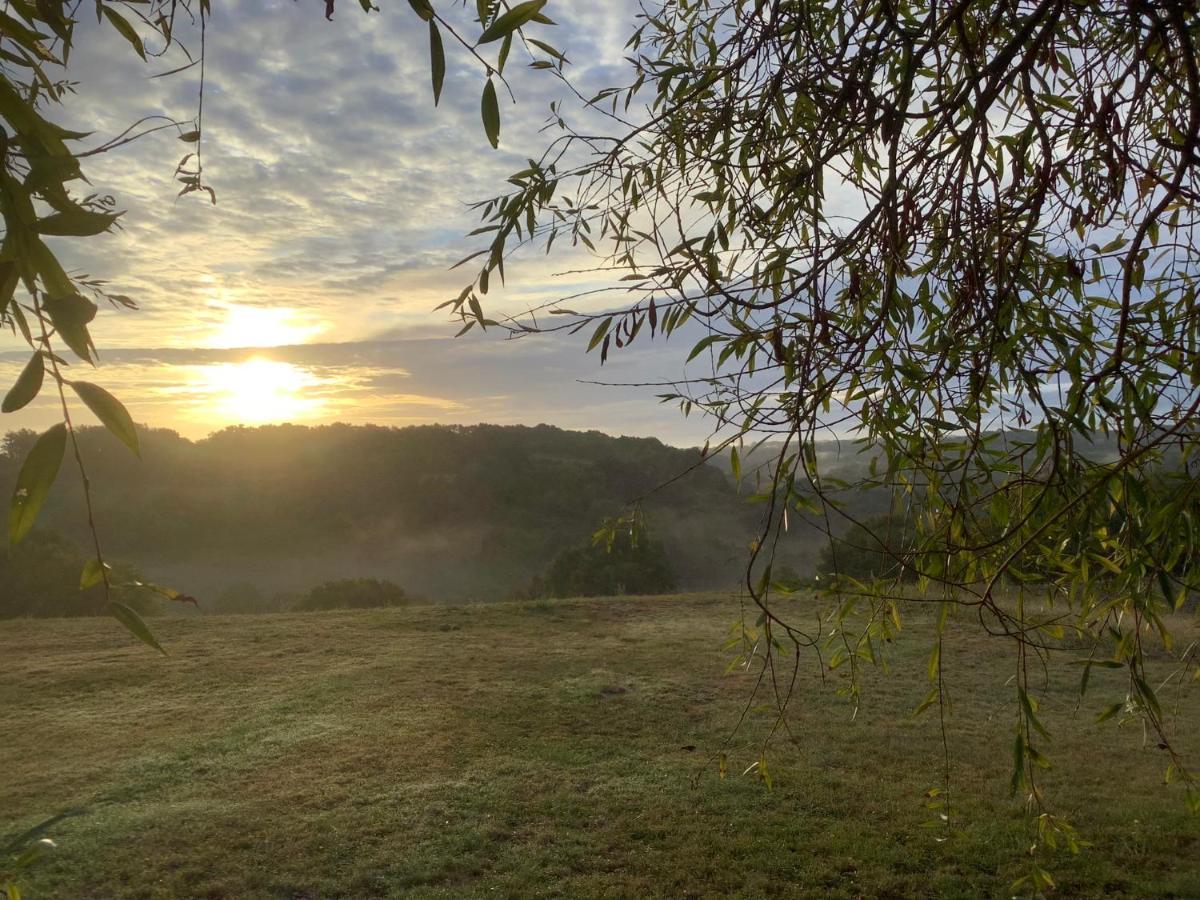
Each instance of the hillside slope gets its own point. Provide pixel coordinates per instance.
(457, 512)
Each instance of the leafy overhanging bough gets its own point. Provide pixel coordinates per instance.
(962, 234)
(920, 225)
(40, 166)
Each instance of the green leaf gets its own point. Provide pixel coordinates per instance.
(1147, 695)
(490, 109)
(77, 222)
(1018, 769)
(702, 344)
(109, 410)
(476, 308)
(70, 315)
(128, 617)
(422, 9)
(34, 481)
(190, 137)
(29, 382)
(437, 61)
(125, 30)
(598, 334)
(505, 49)
(1030, 707)
(764, 773)
(54, 278)
(166, 593)
(92, 574)
(547, 48)
(10, 274)
(506, 24)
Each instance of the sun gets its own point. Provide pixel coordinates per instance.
(262, 326)
(262, 390)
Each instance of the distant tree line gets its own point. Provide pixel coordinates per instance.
(450, 512)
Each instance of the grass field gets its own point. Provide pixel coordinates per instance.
(543, 749)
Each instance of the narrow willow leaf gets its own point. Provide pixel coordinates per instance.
(598, 334)
(547, 48)
(29, 382)
(10, 274)
(506, 24)
(126, 30)
(764, 772)
(1030, 707)
(128, 617)
(490, 110)
(702, 344)
(505, 49)
(422, 9)
(1018, 769)
(70, 314)
(92, 574)
(77, 222)
(33, 483)
(109, 410)
(437, 61)
(167, 593)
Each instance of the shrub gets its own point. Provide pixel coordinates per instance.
(627, 567)
(354, 593)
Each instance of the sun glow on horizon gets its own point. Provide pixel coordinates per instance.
(260, 390)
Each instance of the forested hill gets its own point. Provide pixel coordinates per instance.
(449, 512)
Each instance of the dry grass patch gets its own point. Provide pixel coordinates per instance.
(540, 749)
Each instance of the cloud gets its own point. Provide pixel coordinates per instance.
(343, 197)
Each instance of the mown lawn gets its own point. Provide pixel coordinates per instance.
(545, 750)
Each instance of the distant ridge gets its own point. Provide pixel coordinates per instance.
(451, 512)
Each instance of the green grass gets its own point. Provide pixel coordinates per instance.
(544, 750)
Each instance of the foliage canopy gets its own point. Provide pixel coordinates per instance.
(633, 563)
(923, 225)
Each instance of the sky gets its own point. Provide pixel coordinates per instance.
(306, 293)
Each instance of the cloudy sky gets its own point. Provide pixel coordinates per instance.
(306, 293)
